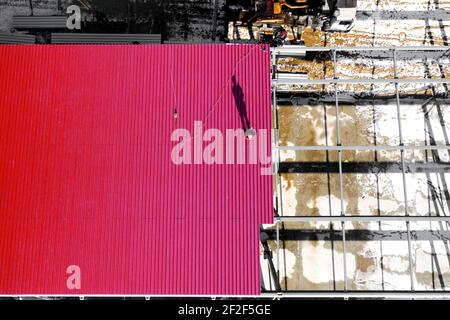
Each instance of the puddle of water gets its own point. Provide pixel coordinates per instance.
(309, 194)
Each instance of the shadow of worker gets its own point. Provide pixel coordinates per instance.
(238, 94)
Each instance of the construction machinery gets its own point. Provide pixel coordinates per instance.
(280, 5)
(341, 15)
(265, 18)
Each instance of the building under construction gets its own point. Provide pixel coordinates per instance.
(358, 204)
(361, 191)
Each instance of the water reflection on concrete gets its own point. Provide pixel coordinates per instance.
(377, 254)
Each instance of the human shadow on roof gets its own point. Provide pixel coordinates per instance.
(241, 107)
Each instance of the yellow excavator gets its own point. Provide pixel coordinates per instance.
(329, 15)
(271, 17)
(290, 5)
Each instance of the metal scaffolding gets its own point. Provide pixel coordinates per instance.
(281, 83)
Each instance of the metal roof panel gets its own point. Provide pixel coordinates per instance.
(86, 177)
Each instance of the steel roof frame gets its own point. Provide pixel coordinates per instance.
(363, 218)
(280, 217)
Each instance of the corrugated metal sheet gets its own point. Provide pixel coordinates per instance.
(207, 41)
(104, 38)
(86, 177)
(17, 38)
(39, 22)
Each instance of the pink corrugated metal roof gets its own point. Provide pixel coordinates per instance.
(86, 177)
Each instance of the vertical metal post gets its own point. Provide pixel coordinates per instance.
(378, 196)
(214, 20)
(278, 285)
(30, 2)
(329, 200)
(275, 161)
(402, 155)
(278, 181)
(341, 187)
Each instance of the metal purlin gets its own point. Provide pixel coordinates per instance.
(365, 148)
(278, 193)
(341, 188)
(402, 155)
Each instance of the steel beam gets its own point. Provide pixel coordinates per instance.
(289, 80)
(362, 148)
(365, 167)
(315, 235)
(403, 15)
(402, 156)
(266, 295)
(363, 218)
(288, 49)
(358, 294)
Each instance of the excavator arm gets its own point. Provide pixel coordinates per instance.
(278, 5)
